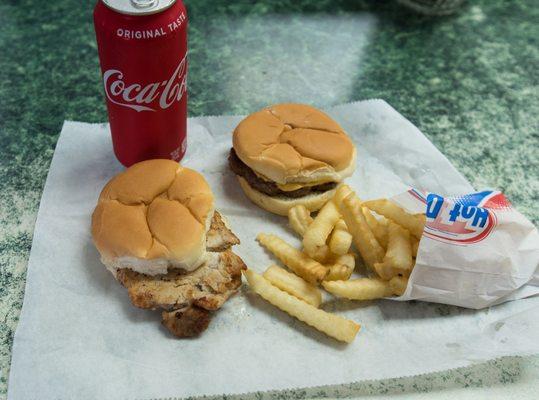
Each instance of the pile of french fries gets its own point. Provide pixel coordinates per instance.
(385, 236)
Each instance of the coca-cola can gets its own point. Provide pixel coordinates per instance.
(142, 47)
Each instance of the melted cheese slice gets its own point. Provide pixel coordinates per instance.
(262, 177)
(290, 187)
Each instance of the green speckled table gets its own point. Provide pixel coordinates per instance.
(469, 82)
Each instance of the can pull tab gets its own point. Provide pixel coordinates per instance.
(144, 3)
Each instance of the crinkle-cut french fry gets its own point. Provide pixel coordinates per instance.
(398, 285)
(413, 222)
(341, 226)
(359, 289)
(415, 246)
(299, 218)
(319, 230)
(399, 249)
(387, 272)
(398, 258)
(321, 254)
(371, 219)
(338, 272)
(378, 226)
(384, 271)
(364, 239)
(346, 259)
(309, 269)
(342, 192)
(340, 242)
(293, 284)
(342, 268)
(332, 325)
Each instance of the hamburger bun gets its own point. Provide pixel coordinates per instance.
(152, 217)
(294, 143)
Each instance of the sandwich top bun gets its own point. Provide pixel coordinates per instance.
(153, 215)
(294, 143)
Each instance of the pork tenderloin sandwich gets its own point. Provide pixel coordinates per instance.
(158, 233)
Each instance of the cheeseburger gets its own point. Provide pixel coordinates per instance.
(290, 154)
(158, 233)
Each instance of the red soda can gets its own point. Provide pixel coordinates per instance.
(142, 47)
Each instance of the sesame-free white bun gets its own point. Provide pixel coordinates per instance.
(153, 216)
(280, 205)
(294, 143)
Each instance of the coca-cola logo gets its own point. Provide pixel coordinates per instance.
(142, 98)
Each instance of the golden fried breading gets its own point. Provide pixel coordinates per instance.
(186, 322)
(208, 287)
(219, 237)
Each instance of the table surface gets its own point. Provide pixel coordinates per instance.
(468, 81)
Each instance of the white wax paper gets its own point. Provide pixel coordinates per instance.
(80, 338)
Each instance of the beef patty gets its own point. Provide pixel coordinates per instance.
(270, 188)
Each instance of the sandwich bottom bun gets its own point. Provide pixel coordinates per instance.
(280, 205)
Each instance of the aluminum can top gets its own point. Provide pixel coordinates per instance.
(138, 7)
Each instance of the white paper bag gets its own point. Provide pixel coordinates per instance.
(476, 250)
